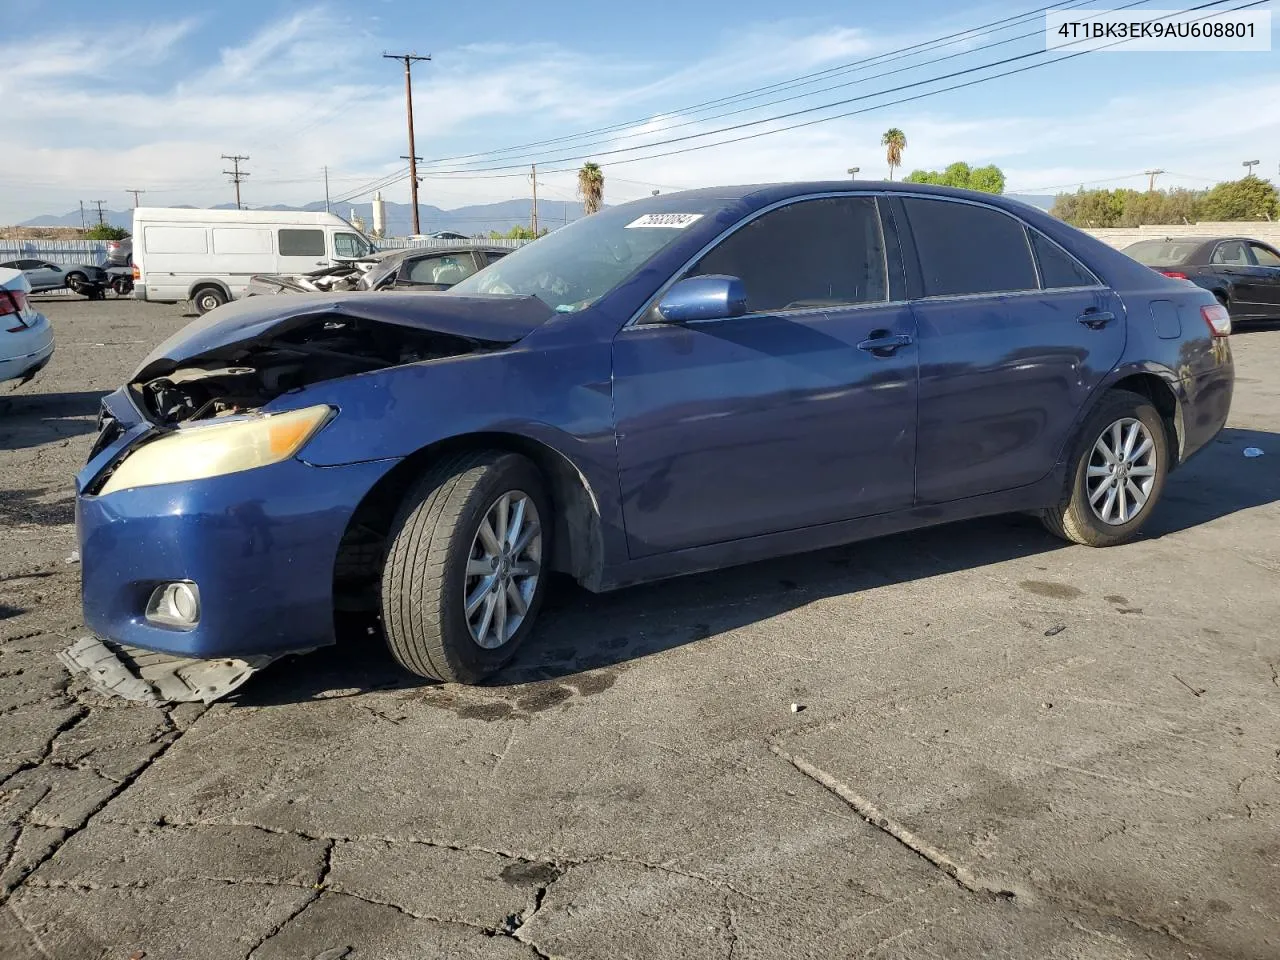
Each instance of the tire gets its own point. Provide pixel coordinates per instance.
(425, 580)
(208, 298)
(75, 281)
(1075, 518)
(97, 293)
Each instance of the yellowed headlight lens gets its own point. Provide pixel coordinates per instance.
(212, 450)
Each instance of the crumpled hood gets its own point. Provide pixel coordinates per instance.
(491, 319)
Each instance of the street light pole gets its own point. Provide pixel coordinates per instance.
(853, 173)
(1248, 166)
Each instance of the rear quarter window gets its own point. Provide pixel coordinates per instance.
(1057, 267)
(967, 249)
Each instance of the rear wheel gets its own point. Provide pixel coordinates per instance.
(463, 579)
(1119, 469)
(75, 282)
(208, 298)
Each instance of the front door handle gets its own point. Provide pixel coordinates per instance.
(1095, 319)
(882, 344)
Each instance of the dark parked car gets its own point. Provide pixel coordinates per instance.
(430, 268)
(673, 385)
(1244, 274)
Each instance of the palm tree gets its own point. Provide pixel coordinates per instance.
(894, 141)
(591, 187)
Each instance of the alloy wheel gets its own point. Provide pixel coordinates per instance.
(1121, 471)
(503, 568)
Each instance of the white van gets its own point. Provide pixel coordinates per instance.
(207, 256)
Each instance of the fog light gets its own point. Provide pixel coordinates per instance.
(176, 604)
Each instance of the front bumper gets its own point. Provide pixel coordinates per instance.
(260, 544)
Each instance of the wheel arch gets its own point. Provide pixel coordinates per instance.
(577, 540)
(1160, 387)
(199, 285)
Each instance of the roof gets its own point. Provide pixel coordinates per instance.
(197, 215)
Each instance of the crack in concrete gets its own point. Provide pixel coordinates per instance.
(557, 859)
(731, 928)
(35, 937)
(317, 889)
(74, 719)
(963, 876)
(121, 785)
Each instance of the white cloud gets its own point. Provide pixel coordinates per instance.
(300, 93)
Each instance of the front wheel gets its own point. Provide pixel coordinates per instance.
(1119, 469)
(464, 576)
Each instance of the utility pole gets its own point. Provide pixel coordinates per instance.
(409, 59)
(84, 227)
(413, 161)
(136, 194)
(326, 188)
(1151, 179)
(1248, 167)
(98, 203)
(533, 220)
(236, 174)
(853, 173)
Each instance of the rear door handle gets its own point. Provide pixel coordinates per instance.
(884, 346)
(1095, 319)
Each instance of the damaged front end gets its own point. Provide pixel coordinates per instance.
(253, 354)
(209, 544)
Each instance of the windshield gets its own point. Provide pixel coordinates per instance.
(575, 266)
(1162, 253)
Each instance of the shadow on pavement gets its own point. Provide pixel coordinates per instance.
(579, 631)
(31, 419)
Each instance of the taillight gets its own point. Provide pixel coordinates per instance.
(137, 274)
(1174, 274)
(1219, 321)
(13, 303)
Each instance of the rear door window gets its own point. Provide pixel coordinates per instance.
(967, 249)
(1057, 267)
(301, 243)
(812, 253)
(1230, 253)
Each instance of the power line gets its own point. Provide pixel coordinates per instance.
(970, 51)
(236, 174)
(803, 111)
(479, 174)
(409, 59)
(959, 36)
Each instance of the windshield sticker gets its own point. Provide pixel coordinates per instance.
(671, 221)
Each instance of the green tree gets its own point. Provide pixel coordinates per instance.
(1250, 198)
(591, 187)
(988, 179)
(105, 231)
(894, 141)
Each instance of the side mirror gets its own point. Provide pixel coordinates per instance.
(712, 297)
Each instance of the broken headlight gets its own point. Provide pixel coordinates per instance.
(214, 449)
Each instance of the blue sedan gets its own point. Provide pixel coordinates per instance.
(674, 385)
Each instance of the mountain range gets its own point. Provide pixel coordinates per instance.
(478, 219)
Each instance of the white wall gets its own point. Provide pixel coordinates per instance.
(1123, 236)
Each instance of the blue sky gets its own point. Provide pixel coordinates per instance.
(149, 94)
